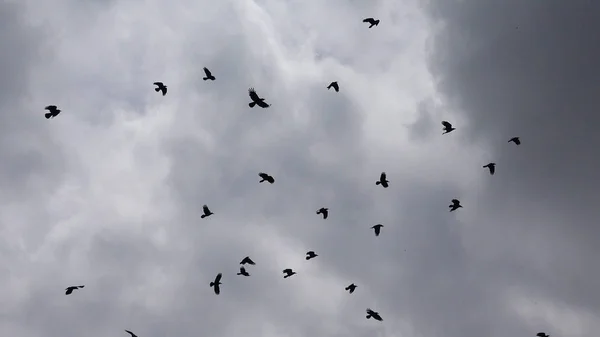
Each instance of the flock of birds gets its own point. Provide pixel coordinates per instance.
(256, 100)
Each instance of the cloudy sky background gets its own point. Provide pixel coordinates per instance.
(109, 193)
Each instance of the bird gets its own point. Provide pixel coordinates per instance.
(243, 272)
(310, 255)
(266, 177)
(447, 127)
(215, 284)
(372, 21)
(491, 167)
(351, 288)
(206, 211)
(209, 75)
(256, 100)
(324, 211)
(542, 334)
(334, 85)
(131, 333)
(69, 290)
(374, 314)
(515, 140)
(247, 260)
(383, 180)
(288, 272)
(160, 87)
(53, 111)
(377, 229)
(455, 205)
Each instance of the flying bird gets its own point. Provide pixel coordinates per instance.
(377, 229)
(455, 205)
(206, 211)
(351, 288)
(447, 127)
(374, 314)
(542, 334)
(256, 100)
(131, 333)
(243, 271)
(209, 75)
(334, 85)
(288, 272)
(324, 211)
(310, 255)
(247, 260)
(383, 180)
(372, 21)
(515, 140)
(53, 111)
(491, 167)
(160, 87)
(266, 177)
(69, 290)
(215, 284)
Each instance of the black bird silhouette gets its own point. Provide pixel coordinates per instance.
(374, 314)
(266, 177)
(334, 85)
(216, 283)
(69, 290)
(160, 87)
(324, 211)
(447, 127)
(491, 167)
(247, 260)
(372, 21)
(310, 255)
(256, 100)
(377, 229)
(351, 288)
(131, 333)
(383, 180)
(209, 75)
(455, 205)
(515, 140)
(288, 272)
(206, 211)
(243, 271)
(542, 334)
(53, 111)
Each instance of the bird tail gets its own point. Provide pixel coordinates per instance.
(252, 104)
(203, 216)
(157, 89)
(48, 115)
(378, 183)
(308, 258)
(369, 316)
(239, 273)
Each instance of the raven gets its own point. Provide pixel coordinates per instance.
(324, 211)
(256, 100)
(69, 290)
(310, 255)
(377, 229)
(243, 272)
(447, 127)
(491, 167)
(374, 314)
(288, 272)
(372, 21)
(247, 260)
(334, 85)
(542, 334)
(351, 288)
(383, 180)
(53, 111)
(206, 211)
(515, 140)
(209, 75)
(160, 87)
(266, 177)
(455, 205)
(216, 284)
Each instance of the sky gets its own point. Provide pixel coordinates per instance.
(109, 193)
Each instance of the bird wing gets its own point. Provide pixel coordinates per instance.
(455, 201)
(370, 20)
(218, 278)
(446, 124)
(253, 95)
(207, 72)
(262, 104)
(370, 312)
(383, 176)
(287, 271)
(242, 269)
(68, 291)
(263, 175)
(51, 107)
(160, 84)
(248, 260)
(205, 209)
(131, 333)
(376, 316)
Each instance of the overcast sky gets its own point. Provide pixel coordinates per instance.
(109, 193)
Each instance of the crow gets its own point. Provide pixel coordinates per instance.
(455, 205)
(374, 314)
(383, 180)
(243, 272)
(256, 100)
(351, 288)
(69, 290)
(216, 284)
(53, 111)
(288, 272)
(209, 75)
(310, 255)
(334, 85)
(491, 167)
(206, 211)
(324, 211)
(247, 260)
(542, 334)
(372, 21)
(266, 177)
(131, 333)
(447, 127)
(377, 229)
(160, 87)
(515, 140)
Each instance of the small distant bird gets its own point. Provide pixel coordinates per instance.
(455, 205)
(377, 229)
(266, 177)
(447, 127)
(209, 75)
(256, 100)
(374, 314)
(310, 255)
(288, 272)
(383, 180)
(216, 283)
(206, 211)
(131, 333)
(372, 21)
(324, 211)
(491, 167)
(160, 87)
(53, 111)
(243, 272)
(542, 334)
(334, 85)
(247, 260)
(351, 288)
(69, 290)
(515, 140)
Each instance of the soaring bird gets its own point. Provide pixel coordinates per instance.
(53, 111)
(455, 205)
(542, 334)
(383, 180)
(447, 127)
(131, 333)
(69, 290)
(243, 271)
(334, 85)
(215, 284)
(256, 100)
(310, 255)
(372, 21)
(351, 288)
(266, 177)
(324, 211)
(515, 140)
(374, 314)
(247, 260)
(206, 211)
(160, 86)
(491, 167)
(377, 229)
(209, 75)
(288, 272)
